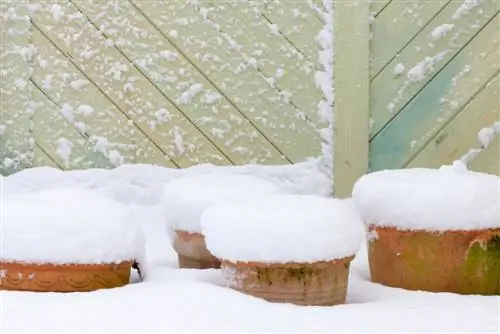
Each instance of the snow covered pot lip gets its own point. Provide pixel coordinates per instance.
(458, 261)
(309, 229)
(429, 199)
(68, 226)
(184, 199)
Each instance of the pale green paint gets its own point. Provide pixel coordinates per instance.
(63, 82)
(111, 71)
(388, 89)
(173, 74)
(488, 161)
(460, 135)
(351, 116)
(396, 26)
(296, 20)
(42, 159)
(242, 84)
(275, 57)
(440, 101)
(376, 6)
(16, 138)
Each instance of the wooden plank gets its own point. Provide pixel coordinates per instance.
(454, 140)
(62, 142)
(439, 102)
(409, 18)
(42, 159)
(124, 84)
(390, 93)
(351, 113)
(376, 6)
(16, 139)
(274, 56)
(97, 119)
(294, 19)
(258, 101)
(488, 161)
(184, 86)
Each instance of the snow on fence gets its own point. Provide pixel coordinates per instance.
(175, 83)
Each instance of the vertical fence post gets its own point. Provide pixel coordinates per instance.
(352, 83)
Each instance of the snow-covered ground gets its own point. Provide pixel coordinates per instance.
(189, 300)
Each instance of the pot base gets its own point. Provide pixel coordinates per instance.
(463, 262)
(194, 263)
(319, 284)
(63, 277)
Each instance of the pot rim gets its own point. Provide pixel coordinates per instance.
(407, 231)
(12, 265)
(318, 264)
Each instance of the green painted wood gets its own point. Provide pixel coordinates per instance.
(296, 20)
(396, 26)
(190, 92)
(42, 159)
(439, 102)
(488, 161)
(16, 139)
(273, 55)
(60, 140)
(242, 84)
(376, 6)
(95, 118)
(460, 135)
(390, 93)
(351, 73)
(113, 73)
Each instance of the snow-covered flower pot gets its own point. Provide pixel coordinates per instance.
(65, 240)
(432, 230)
(185, 199)
(285, 248)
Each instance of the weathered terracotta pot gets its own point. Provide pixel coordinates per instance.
(465, 262)
(320, 283)
(192, 251)
(63, 277)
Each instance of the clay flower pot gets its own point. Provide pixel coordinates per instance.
(465, 262)
(63, 277)
(192, 251)
(320, 283)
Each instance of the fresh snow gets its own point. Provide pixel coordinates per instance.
(428, 199)
(189, 300)
(282, 228)
(185, 199)
(68, 226)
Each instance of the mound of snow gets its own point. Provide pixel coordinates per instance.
(429, 199)
(283, 228)
(185, 199)
(68, 226)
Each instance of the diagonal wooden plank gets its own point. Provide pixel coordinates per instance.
(43, 159)
(124, 84)
(377, 6)
(454, 140)
(488, 161)
(60, 140)
(261, 104)
(409, 18)
(296, 20)
(180, 81)
(97, 119)
(16, 139)
(273, 56)
(439, 102)
(391, 92)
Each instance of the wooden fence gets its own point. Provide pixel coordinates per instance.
(416, 82)
(176, 83)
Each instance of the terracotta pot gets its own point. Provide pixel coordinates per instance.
(320, 283)
(192, 251)
(465, 262)
(63, 277)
